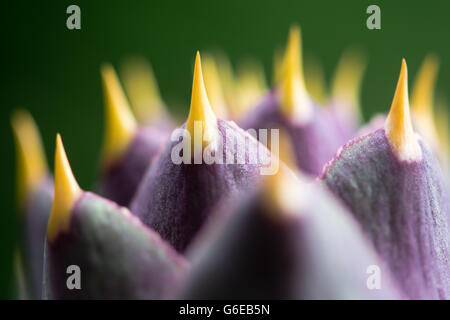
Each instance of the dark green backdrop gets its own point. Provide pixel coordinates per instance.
(54, 72)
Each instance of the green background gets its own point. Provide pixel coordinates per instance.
(54, 72)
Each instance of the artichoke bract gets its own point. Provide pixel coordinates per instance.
(35, 196)
(393, 185)
(128, 149)
(288, 240)
(422, 107)
(313, 130)
(117, 257)
(180, 190)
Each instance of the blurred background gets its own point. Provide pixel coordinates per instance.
(54, 72)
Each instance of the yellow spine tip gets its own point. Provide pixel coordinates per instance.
(315, 82)
(66, 193)
(423, 90)
(120, 125)
(348, 77)
(31, 162)
(295, 102)
(250, 86)
(142, 89)
(398, 125)
(214, 86)
(227, 80)
(277, 66)
(283, 190)
(200, 111)
(422, 100)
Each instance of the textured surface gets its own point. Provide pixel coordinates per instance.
(120, 181)
(63, 67)
(250, 252)
(402, 206)
(175, 199)
(118, 256)
(34, 228)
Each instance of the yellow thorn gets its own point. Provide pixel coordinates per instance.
(315, 80)
(200, 110)
(142, 89)
(31, 162)
(423, 90)
(282, 192)
(398, 125)
(66, 193)
(250, 86)
(285, 150)
(422, 102)
(277, 66)
(120, 125)
(227, 78)
(295, 103)
(347, 80)
(214, 87)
